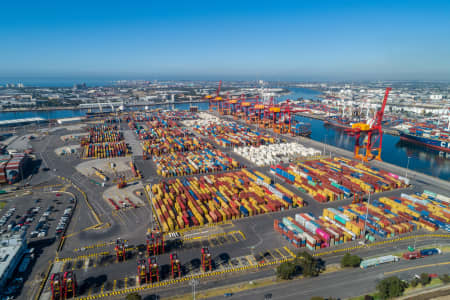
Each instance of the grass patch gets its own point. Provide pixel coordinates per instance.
(332, 268)
(374, 295)
(433, 282)
(2, 204)
(216, 292)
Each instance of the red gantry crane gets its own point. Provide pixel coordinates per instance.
(153, 269)
(373, 134)
(69, 284)
(143, 273)
(120, 248)
(214, 101)
(56, 286)
(175, 265)
(206, 259)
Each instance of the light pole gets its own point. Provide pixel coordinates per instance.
(407, 167)
(193, 283)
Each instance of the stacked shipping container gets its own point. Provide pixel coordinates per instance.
(104, 141)
(334, 179)
(194, 201)
(386, 217)
(231, 134)
(197, 162)
(11, 167)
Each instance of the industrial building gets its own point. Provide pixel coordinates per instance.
(12, 249)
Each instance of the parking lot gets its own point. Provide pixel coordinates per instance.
(40, 214)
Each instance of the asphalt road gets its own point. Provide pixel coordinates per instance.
(347, 283)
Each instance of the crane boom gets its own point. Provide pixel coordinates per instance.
(218, 90)
(380, 113)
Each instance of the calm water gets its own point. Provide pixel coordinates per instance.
(394, 151)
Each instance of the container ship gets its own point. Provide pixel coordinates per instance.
(431, 138)
(340, 122)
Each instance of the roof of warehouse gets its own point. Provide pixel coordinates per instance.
(20, 121)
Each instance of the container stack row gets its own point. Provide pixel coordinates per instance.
(103, 141)
(196, 162)
(232, 134)
(194, 201)
(161, 146)
(102, 134)
(203, 119)
(105, 150)
(338, 178)
(382, 218)
(275, 153)
(305, 230)
(159, 116)
(11, 167)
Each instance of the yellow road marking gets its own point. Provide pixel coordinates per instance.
(289, 251)
(62, 267)
(279, 252)
(250, 261)
(114, 285)
(235, 238)
(103, 287)
(126, 279)
(417, 267)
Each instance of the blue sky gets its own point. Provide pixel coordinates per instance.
(298, 40)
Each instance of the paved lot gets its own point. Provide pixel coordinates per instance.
(245, 241)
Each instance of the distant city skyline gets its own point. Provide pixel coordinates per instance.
(230, 40)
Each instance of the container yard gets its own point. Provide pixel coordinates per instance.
(103, 141)
(193, 194)
(196, 201)
(382, 218)
(275, 153)
(338, 178)
(231, 134)
(197, 162)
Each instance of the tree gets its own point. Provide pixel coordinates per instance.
(345, 260)
(350, 260)
(368, 297)
(286, 270)
(414, 282)
(391, 287)
(355, 261)
(308, 264)
(424, 279)
(133, 296)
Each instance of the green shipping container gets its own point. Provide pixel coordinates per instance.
(339, 219)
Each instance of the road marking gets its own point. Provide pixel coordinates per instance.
(114, 285)
(418, 267)
(289, 251)
(125, 281)
(235, 238)
(62, 266)
(279, 252)
(271, 255)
